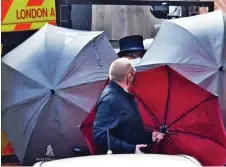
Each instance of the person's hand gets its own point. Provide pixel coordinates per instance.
(138, 148)
(157, 136)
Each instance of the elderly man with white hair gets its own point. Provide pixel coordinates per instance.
(117, 113)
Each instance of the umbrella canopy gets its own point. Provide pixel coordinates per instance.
(49, 84)
(147, 43)
(186, 113)
(196, 48)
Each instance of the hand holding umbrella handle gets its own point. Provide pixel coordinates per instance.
(146, 149)
(157, 136)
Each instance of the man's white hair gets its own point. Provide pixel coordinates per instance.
(120, 68)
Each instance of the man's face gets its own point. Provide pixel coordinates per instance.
(134, 55)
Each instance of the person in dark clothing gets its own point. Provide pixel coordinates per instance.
(117, 113)
(132, 47)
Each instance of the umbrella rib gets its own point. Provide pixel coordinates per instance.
(69, 102)
(61, 129)
(31, 99)
(27, 77)
(81, 84)
(168, 96)
(47, 62)
(173, 144)
(80, 61)
(193, 64)
(70, 66)
(192, 109)
(32, 117)
(183, 28)
(149, 128)
(196, 135)
(149, 112)
(214, 73)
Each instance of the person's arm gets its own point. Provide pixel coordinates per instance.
(107, 118)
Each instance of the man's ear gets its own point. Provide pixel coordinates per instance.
(130, 77)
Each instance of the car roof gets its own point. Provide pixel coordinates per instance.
(128, 159)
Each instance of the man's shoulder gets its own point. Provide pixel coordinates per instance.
(109, 93)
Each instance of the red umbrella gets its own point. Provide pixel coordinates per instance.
(186, 113)
(87, 127)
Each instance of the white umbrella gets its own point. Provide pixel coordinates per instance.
(196, 48)
(147, 43)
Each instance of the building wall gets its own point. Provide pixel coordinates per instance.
(220, 4)
(120, 21)
(116, 21)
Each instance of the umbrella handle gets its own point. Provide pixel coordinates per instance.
(146, 149)
(109, 148)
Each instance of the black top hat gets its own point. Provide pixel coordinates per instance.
(133, 43)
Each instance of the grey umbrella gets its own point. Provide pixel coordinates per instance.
(196, 48)
(49, 84)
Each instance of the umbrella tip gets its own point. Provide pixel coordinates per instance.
(52, 91)
(221, 68)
